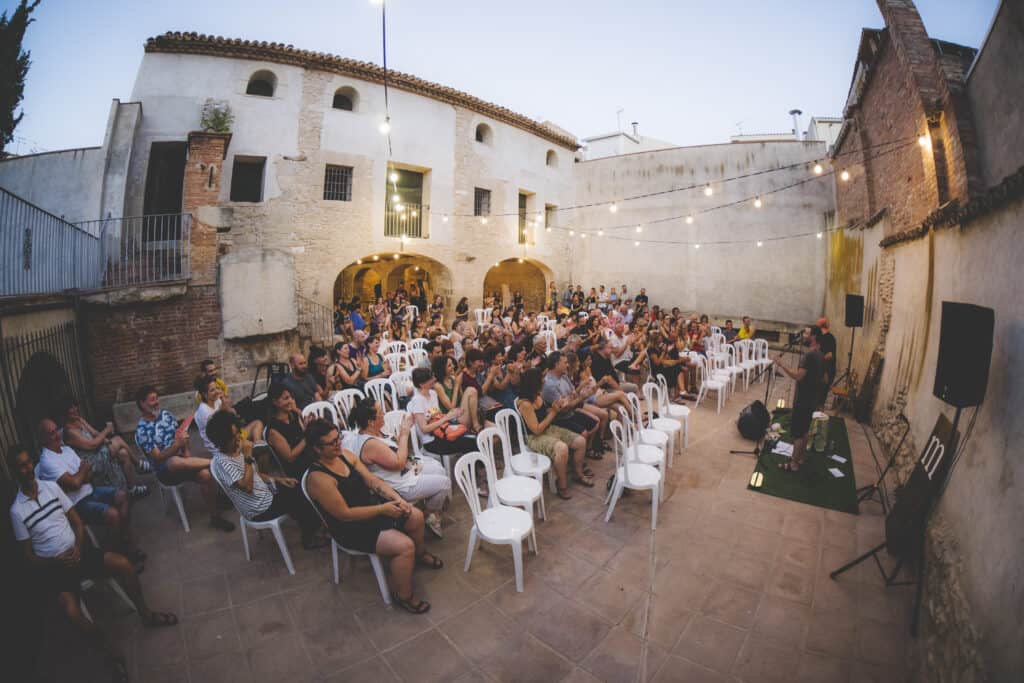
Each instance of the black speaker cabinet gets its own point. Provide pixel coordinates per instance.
(854, 310)
(965, 352)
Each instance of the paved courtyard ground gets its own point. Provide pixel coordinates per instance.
(733, 586)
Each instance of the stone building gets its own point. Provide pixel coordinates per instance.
(938, 220)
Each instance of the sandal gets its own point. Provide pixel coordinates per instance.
(143, 467)
(135, 556)
(418, 607)
(788, 467)
(159, 619)
(563, 492)
(118, 669)
(433, 563)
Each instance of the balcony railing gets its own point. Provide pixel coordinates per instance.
(41, 253)
(408, 222)
(316, 320)
(140, 250)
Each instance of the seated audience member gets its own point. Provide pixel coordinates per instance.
(436, 325)
(104, 505)
(474, 378)
(375, 365)
(345, 372)
(259, 497)
(498, 379)
(108, 454)
(449, 390)
(747, 331)
(461, 312)
(603, 373)
(392, 461)
(573, 416)
(426, 411)
(214, 400)
(434, 351)
(539, 351)
(300, 383)
(285, 432)
(50, 531)
(380, 316)
(363, 513)
(208, 368)
(357, 349)
(318, 361)
(565, 448)
(620, 346)
(729, 332)
(160, 439)
(667, 361)
(356, 318)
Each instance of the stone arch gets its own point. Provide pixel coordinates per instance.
(262, 83)
(43, 380)
(527, 275)
(362, 276)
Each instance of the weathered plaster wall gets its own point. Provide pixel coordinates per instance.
(257, 293)
(65, 183)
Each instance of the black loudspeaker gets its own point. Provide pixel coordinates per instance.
(965, 353)
(854, 310)
(753, 421)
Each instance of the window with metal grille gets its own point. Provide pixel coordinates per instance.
(523, 233)
(481, 202)
(338, 183)
(550, 216)
(247, 179)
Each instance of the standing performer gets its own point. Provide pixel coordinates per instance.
(810, 382)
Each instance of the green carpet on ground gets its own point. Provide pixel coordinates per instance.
(813, 484)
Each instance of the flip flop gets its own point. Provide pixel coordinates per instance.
(788, 467)
(159, 619)
(418, 607)
(433, 563)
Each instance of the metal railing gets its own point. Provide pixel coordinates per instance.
(316, 320)
(139, 250)
(408, 222)
(42, 253)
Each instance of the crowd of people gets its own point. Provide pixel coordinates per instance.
(565, 371)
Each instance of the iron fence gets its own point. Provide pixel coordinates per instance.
(406, 222)
(317, 319)
(139, 250)
(41, 253)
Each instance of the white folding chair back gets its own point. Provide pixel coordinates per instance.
(393, 423)
(496, 524)
(716, 330)
(378, 568)
(511, 489)
(273, 524)
(664, 423)
(414, 356)
(395, 347)
(174, 490)
(525, 462)
(418, 343)
(383, 392)
(638, 451)
(403, 382)
(398, 361)
(708, 383)
(551, 339)
(323, 410)
(547, 326)
(673, 410)
(344, 400)
(647, 435)
(413, 310)
(630, 474)
(482, 315)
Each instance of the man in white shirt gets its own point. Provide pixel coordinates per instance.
(50, 532)
(104, 505)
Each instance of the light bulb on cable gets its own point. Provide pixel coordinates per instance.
(520, 260)
(399, 208)
(845, 175)
(639, 228)
(708, 191)
(483, 221)
(394, 256)
(376, 258)
(760, 244)
(636, 244)
(396, 198)
(393, 177)
(614, 207)
(600, 233)
(696, 246)
(757, 203)
(385, 126)
(689, 220)
(359, 262)
(818, 170)
(583, 235)
(571, 233)
(924, 141)
(414, 214)
(444, 218)
(819, 235)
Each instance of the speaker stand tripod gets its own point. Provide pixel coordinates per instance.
(868, 492)
(847, 374)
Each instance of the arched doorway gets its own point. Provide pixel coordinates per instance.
(527, 276)
(42, 381)
(381, 274)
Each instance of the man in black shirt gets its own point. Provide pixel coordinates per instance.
(641, 298)
(300, 382)
(810, 382)
(603, 372)
(828, 351)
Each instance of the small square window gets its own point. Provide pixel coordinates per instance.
(247, 179)
(338, 183)
(481, 202)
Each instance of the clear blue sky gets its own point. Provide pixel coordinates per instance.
(687, 70)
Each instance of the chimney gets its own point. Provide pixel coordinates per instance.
(795, 113)
(636, 129)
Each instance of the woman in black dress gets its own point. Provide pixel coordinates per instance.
(365, 514)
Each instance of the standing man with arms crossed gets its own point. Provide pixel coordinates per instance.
(810, 380)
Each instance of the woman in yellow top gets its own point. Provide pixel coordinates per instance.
(747, 331)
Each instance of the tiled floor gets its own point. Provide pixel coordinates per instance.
(733, 586)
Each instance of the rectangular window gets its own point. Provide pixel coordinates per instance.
(403, 203)
(247, 179)
(338, 183)
(523, 233)
(481, 202)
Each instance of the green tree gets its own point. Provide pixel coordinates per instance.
(14, 63)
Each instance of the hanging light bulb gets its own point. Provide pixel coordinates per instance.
(396, 198)
(444, 218)
(414, 213)
(924, 141)
(583, 235)
(376, 258)
(708, 191)
(385, 126)
(417, 269)
(548, 229)
(696, 246)
(399, 208)
(483, 221)
(393, 177)
(496, 264)
(614, 207)
(394, 256)
(760, 243)
(818, 169)
(520, 260)
(819, 235)
(845, 175)
(600, 233)
(359, 262)
(636, 243)
(689, 220)
(757, 203)
(639, 228)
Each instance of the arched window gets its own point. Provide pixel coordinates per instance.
(345, 99)
(262, 83)
(552, 158)
(484, 134)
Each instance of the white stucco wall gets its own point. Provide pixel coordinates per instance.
(257, 293)
(66, 183)
(780, 281)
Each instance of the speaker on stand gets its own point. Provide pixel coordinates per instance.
(854, 319)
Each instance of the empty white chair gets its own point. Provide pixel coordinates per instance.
(745, 359)
(397, 360)
(608, 333)
(525, 462)
(482, 315)
(273, 524)
(547, 325)
(396, 347)
(673, 410)
(630, 474)
(323, 410)
(88, 584)
(716, 330)
(719, 370)
(512, 489)
(707, 383)
(497, 524)
(645, 453)
(649, 436)
(378, 568)
(174, 490)
(760, 355)
(383, 392)
(733, 367)
(414, 356)
(344, 400)
(418, 343)
(663, 423)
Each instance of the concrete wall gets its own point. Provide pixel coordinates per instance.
(781, 281)
(257, 293)
(999, 119)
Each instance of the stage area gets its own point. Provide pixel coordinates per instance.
(733, 585)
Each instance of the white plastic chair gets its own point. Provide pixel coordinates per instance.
(734, 368)
(397, 360)
(384, 392)
(511, 489)
(378, 568)
(323, 410)
(497, 524)
(414, 356)
(482, 315)
(393, 423)
(525, 462)
(707, 383)
(395, 347)
(673, 410)
(418, 343)
(648, 435)
(174, 490)
(547, 326)
(745, 358)
(716, 330)
(88, 584)
(760, 355)
(403, 383)
(644, 453)
(273, 524)
(417, 450)
(551, 339)
(413, 310)
(344, 400)
(630, 474)
(663, 423)
(718, 369)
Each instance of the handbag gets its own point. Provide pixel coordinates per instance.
(450, 431)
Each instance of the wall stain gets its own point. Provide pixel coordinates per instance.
(929, 294)
(845, 258)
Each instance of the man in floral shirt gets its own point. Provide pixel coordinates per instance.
(159, 437)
